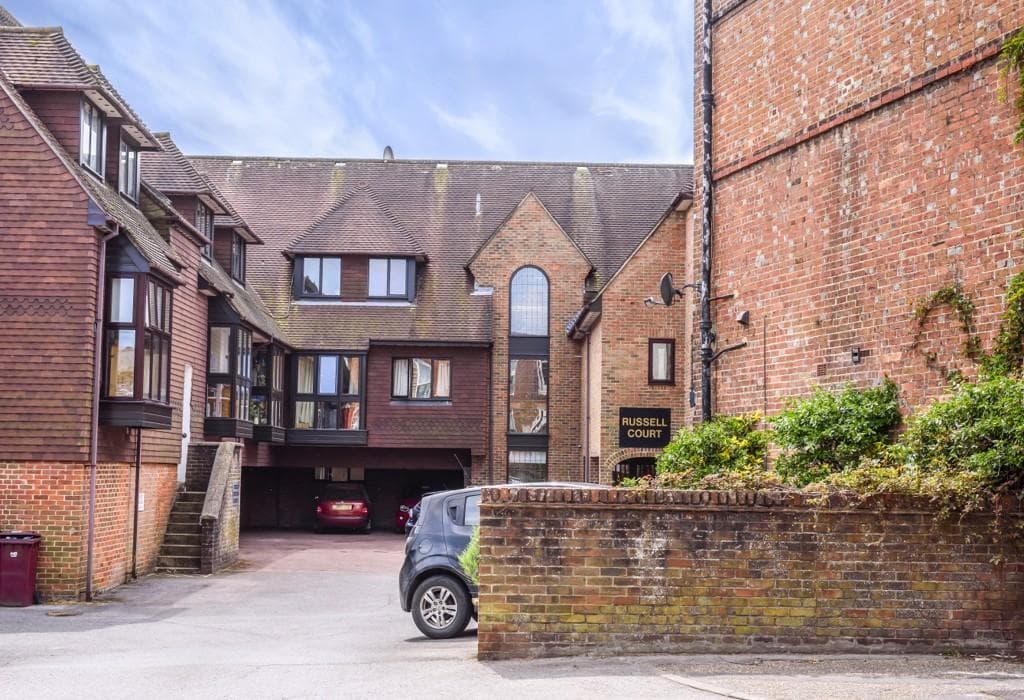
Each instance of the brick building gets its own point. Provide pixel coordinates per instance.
(405, 324)
(863, 160)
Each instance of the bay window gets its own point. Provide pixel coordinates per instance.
(328, 392)
(390, 278)
(317, 277)
(128, 171)
(420, 379)
(137, 352)
(229, 381)
(93, 138)
(266, 408)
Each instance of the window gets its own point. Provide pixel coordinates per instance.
(128, 171)
(93, 138)
(318, 277)
(421, 379)
(528, 396)
(471, 516)
(229, 373)
(267, 403)
(389, 278)
(527, 465)
(238, 257)
(661, 361)
(528, 302)
(204, 224)
(328, 392)
(137, 308)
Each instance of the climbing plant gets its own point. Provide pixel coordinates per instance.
(953, 296)
(1007, 356)
(1012, 56)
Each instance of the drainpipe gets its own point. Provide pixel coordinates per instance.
(490, 416)
(135, 518)
(586, 408)
(707, 196)
(94, 426)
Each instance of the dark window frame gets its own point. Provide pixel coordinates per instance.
(298, 286)
(410, 279)
(203, 220)
(671, 342)
(91, 115)
(316, 397)
(547, 311)
(139, 325)
(433, 374)
(273, 391)
(238, 257)
(508, 402)
(237, 377)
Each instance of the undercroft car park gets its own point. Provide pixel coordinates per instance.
(279, 416)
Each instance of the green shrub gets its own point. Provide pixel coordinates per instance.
(724, 444)
(829, 431)
(979, 429)
(469, 560)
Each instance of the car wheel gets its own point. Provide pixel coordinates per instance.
(441, 607)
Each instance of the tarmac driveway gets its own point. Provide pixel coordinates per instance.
(317, 615)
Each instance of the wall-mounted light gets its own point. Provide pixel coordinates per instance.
(651, 301)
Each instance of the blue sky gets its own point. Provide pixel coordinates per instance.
(584, 80)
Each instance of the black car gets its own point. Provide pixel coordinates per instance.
(432, 585)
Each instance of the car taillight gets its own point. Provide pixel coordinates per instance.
(404, 509)
(363, 510)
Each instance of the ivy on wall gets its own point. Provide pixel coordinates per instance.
(1012, 56)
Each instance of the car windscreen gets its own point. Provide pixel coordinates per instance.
(348, 492)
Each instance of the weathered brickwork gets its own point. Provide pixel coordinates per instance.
(607, 572)
(221, 515)
(52, 499)
(531, 236)
(866, 163)
(626, 327)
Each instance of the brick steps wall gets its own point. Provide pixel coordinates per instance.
(180, 553)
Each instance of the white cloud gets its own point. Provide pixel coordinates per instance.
(480, 126)
(651, 90)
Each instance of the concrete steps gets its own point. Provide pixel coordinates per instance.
(180, 552)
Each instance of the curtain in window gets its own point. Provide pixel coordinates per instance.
(527, 465)
(304, 414)
(307, 369)
(660, 362)
(442, 379)
(400, 378)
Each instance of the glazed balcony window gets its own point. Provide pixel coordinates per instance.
(420, 379)
(328, 392)
(228, 380)
(137, 356)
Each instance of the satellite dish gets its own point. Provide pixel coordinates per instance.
(668, 289)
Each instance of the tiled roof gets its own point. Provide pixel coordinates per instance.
(7, 19)
(171, 172)
(114, 207)
(41, 58)
(243, 300)
(607, 209)
(360, 224)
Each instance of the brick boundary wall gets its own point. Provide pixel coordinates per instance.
(620, 571)
(220, 518)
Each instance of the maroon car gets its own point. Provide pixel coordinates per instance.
(343, 505)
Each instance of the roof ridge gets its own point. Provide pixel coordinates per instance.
(449, 161)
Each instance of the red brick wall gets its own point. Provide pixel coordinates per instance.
(355, 276)
(831, 241)
(531, 237)
(458, 424)
(47, 300)
(626, 327)
(611, 572)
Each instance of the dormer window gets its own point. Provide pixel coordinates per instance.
(204, 224)
(389, 278)
(317, 277)
(238, 258)
(128, 171)
(93, 138)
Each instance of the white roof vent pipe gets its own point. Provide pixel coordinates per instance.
(479, 206)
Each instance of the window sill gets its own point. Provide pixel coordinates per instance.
(398, 401)
(130, 413)
(314, 437)
(339, 302)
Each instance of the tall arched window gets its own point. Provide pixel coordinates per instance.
(528, 302)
